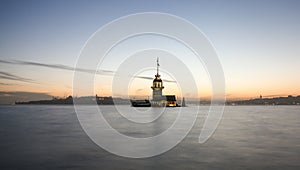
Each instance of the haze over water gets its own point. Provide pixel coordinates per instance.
(248, 137)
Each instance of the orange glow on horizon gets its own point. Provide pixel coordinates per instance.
(64, 92)
(141, 89)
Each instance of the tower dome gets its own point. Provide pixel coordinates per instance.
(157, 79)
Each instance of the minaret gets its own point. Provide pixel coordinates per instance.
(157, 86)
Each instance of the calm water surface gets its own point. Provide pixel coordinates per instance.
(248, 137)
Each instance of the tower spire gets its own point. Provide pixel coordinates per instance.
(157, 65)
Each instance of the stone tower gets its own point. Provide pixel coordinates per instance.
(157, 86)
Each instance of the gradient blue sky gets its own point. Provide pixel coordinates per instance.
(257, 41)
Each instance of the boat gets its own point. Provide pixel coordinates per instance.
(140, 103)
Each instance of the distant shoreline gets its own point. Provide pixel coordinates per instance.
(289, 100)
(90, 100)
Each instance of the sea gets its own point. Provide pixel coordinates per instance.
(247, 137)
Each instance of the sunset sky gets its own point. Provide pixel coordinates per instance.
(258, 44)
